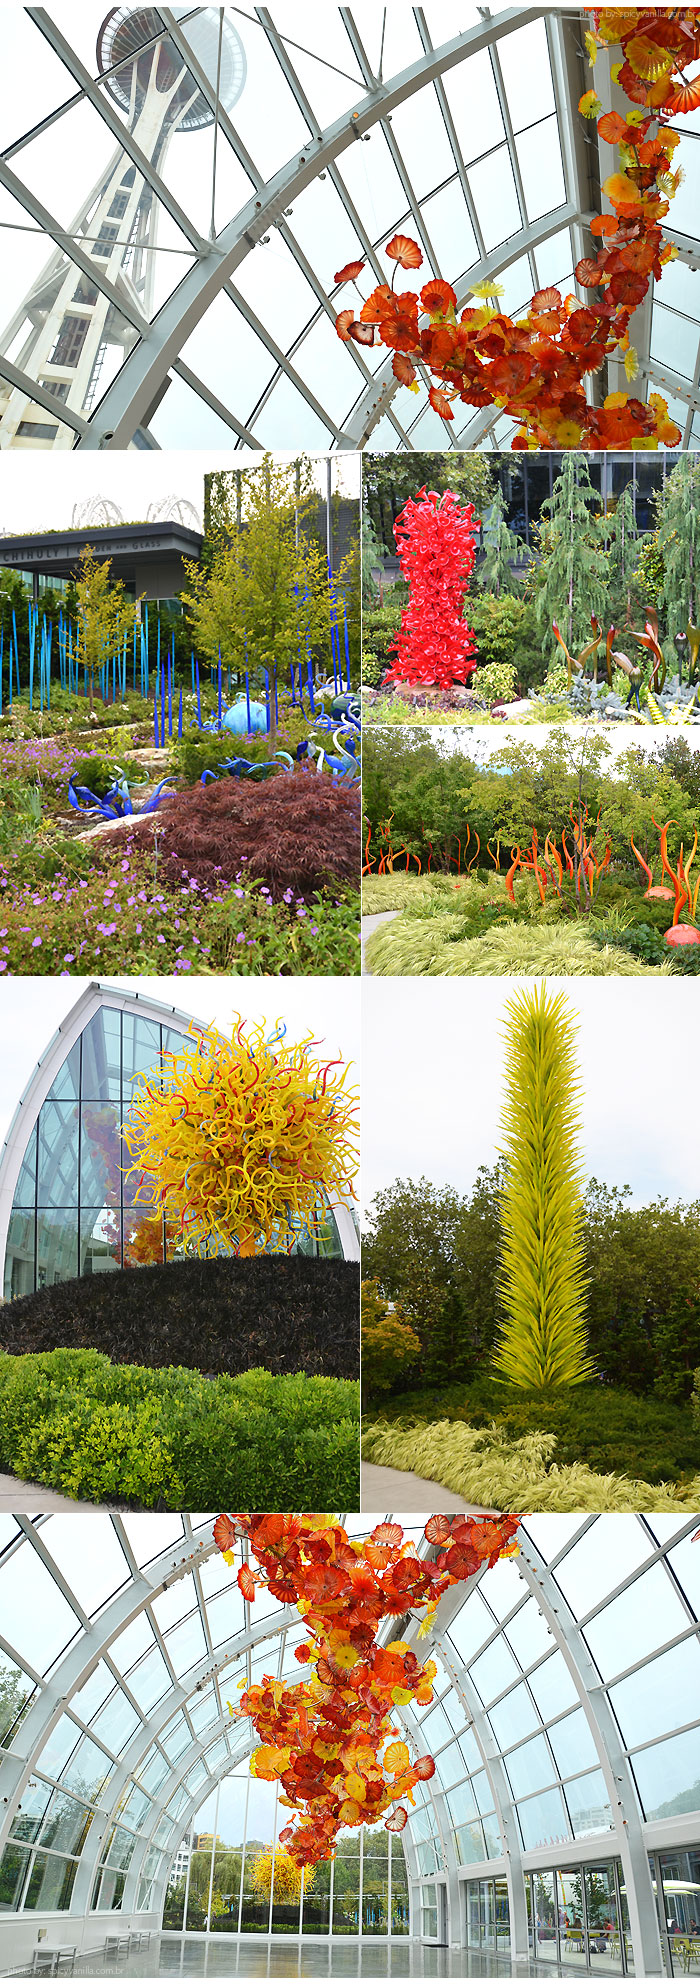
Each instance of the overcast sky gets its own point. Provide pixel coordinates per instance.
(480, 741)
(432, 1080)
(32, 1009)
(131, 478)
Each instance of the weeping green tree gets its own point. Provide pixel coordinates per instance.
(502, 548)
(571, 579)
(678, 540)
(542, 1343)
(623, 558)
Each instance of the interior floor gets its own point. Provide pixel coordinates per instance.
(171, 1956)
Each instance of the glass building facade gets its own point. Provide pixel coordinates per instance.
(73, 1209)
(192, 301)
(562, 1825)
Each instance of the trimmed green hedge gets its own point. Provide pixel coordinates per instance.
(174, 1440)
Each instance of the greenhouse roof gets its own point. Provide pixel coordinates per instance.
(169, 275)
(567, 1691)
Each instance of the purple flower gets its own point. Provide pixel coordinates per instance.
(36, 941)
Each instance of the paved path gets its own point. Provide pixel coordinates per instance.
(370, 924)
(25, 1498)
(394, 1489)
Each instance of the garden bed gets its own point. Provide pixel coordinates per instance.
(172, 1439)
(448, 929)
(494, 1470)
(287, 1313)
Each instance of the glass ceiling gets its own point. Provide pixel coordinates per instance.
(169, 252)
(122, 1638)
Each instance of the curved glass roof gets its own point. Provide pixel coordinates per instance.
(169, 247)
(566, 1719)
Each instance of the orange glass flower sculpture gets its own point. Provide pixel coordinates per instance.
(535, 367)
(237, 1138)
(333, 1742)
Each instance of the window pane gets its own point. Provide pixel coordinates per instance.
(647, 1613)
(650, 1702)
(543, 1819)
(668, 1776)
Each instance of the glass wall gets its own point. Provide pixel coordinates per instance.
(239, 1880)
(74, 1210)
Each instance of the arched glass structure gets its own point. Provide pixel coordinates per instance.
(66, 1199)
(563, 1822)
(169, 244)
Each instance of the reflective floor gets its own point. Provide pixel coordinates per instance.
(285, 1957)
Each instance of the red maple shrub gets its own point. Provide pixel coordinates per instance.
(296, 831)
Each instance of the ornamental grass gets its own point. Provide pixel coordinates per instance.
(491, 1471)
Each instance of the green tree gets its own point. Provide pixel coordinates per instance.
(105, 615)
(502, 548)
(571, 578)
(436, 1254)
(389, 1346)
(678, 543)
(543, 1341)
(265, 597)
(623, 559)
(643, 1269)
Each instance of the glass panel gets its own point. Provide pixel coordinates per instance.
(530, 1767)
(56, 1248)
(19, 1257)
(650, 1701)
(649, 1611)
(100, 1154)
(88, 1553)
(66, 1824)
(13, 1869)
(57, 1178)
(514, 1717)
(140, 1049)
(603, 1923)
(553, 1687)
(494, 1671)
(25, 1189)
(543, 1819)
(668, 1776)
(587, 1573)
(570, 1917)
(102, 1057)
(573, 1744)
(680, 1877)
(66, 1086)
(100, 1240)
(545, 1906)
(16, 1691)
(43, 1623)
(588, 1803)
(31, 1810)
(50, 1884)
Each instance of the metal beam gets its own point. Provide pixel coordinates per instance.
(628, 1827)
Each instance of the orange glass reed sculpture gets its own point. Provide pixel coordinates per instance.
(332, 1742)
(535, 367)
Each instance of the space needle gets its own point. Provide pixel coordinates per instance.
(74, 330)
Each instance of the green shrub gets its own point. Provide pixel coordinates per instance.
(492, 1471)
(98, 772)
(695, 1400)
(506, 632)
(372, 671)
(496, 683)
(173, 1439)
(606, 1427)
(380, 625)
